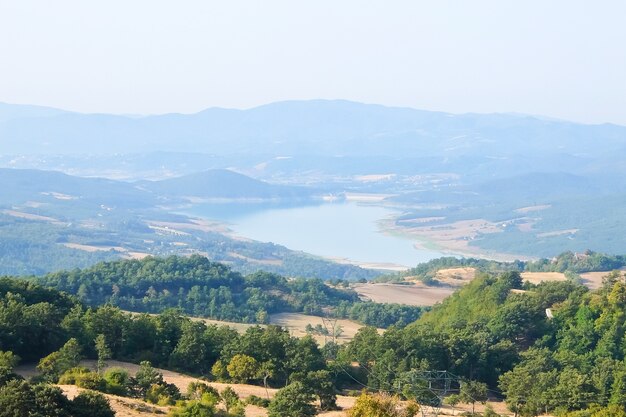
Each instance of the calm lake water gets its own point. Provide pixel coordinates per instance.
(340, 230)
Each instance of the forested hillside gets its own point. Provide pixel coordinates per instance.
(555, 347)
(498, 332)
(209, 289)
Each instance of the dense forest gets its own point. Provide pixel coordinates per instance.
(208, 289)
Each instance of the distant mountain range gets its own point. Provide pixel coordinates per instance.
(317, 127)
(457, 168)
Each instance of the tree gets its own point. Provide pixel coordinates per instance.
(380, 405)
(230, 398)
(8, 361)
(91, 404)
(612, 410)
(243, 368)
(103, 351)
(145, 378)
(56, 363)
(473, 392)
(50, 401)
(117, 381)
(292, 401)
(16, 399)
(219, 371)
(267, 370)
(321, 383)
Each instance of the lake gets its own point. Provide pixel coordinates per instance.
(334, 230)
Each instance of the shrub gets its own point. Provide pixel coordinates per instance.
(117, 381)
(258, 401)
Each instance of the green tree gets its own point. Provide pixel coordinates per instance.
(243, 368)
(91, 404)
(145, 378)
(230, 398)
(56, 363)
(473, 392)
(103, 352)
(292, 401)
(16, 399)
(50, 402)
(117, 381)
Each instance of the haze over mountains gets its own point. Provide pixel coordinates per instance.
(317, 127)
(496, 183)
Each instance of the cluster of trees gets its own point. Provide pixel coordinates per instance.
(53, 328)
(208, 289)
(196, 285)
(21, 398)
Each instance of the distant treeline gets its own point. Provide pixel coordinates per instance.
(566, 262)
(203, 288)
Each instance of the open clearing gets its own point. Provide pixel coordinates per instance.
(296, 324)
(411, 294)
(537, 277)
(455, 277)
(592, 280)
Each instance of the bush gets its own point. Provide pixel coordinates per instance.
(117, 381)
(84, 378)
(258, 401)
(196, 390)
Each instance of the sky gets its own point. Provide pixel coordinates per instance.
(558, 58)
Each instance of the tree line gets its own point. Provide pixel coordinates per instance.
(203, 288)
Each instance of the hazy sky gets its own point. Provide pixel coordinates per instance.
(560, 58)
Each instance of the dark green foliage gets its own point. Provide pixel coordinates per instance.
(198, 286)
(50, 401)
(117, 381)
(30, 317)
(16, 399)
(258, 401)
(91, 404)
(381, 315)
(292, 401)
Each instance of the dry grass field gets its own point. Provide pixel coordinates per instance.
(127, 407)
(411, 294)
(296, 324)
(592, 280)
(537, 277)
(455, 277)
